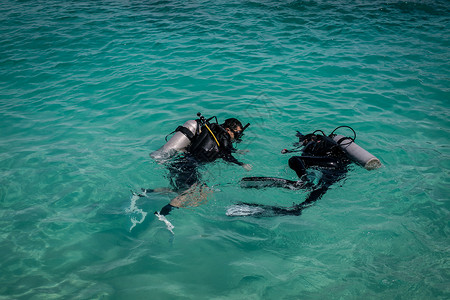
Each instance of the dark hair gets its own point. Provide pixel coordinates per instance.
(232, 124)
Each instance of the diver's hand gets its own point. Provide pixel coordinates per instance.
(247, 167)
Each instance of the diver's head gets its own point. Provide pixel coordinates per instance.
(233, 127)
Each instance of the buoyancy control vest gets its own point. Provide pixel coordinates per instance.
(335, 145)
(322, 145)
(202, 139)
(212, 143)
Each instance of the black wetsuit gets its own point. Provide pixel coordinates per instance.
(323, 153)
(320, 152)
(205, 147)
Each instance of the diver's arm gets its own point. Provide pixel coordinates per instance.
(230, 158)
(226, 151)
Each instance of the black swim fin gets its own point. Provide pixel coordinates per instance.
(243, 209)
(264, 182)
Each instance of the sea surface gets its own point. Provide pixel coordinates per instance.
(89, 88)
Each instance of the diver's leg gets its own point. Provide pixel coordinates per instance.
(184, 173)
(194, 196)
(161, 190)
(319, 161)
(264, 182)
(261, 210)
(312, 197)
(165, 210)
(329, 177)
(296, 163)
(185, 178)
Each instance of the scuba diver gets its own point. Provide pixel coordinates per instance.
(200, 141)
(329, 155)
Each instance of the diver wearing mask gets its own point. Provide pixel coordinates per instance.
(208, 142)
(322, 153)
(216, 141)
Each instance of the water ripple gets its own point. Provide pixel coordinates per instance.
(88, 89)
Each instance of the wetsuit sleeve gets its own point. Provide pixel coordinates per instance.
(226, 150)
(230, 158)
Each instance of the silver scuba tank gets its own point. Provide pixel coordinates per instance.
(356, 153)
(177, 143)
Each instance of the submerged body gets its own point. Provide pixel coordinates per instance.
(319, 152)
(210, 142)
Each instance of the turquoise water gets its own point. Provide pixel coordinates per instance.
(89, 88)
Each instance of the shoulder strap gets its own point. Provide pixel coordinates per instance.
(186, 132)
(210, 131)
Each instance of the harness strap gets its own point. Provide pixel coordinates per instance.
(345, 138)
(186, 132)
(212, 134)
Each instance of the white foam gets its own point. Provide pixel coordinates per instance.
(240, 210)
(133, 209)
(163, 219)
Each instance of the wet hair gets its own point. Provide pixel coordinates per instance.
(232, 124)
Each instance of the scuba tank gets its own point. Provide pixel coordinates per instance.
(347, 144)
(356, 153)
(184, 136)
(178, 143)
